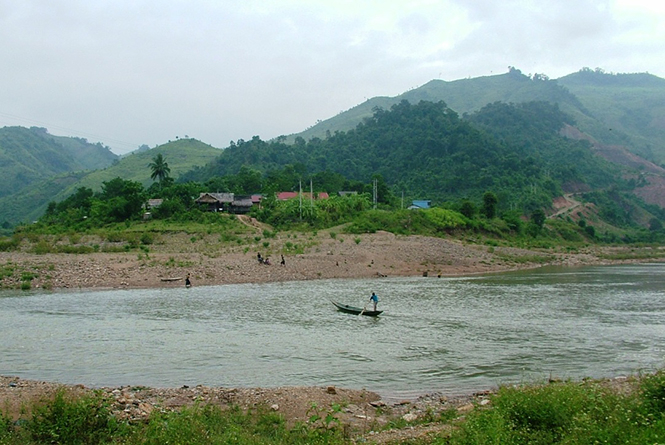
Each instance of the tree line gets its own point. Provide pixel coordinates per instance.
(505, 161)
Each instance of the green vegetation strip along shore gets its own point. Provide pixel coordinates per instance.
(632, 412)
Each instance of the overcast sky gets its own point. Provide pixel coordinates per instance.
(127, 73)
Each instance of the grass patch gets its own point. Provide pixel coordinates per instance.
(560, 412)
(568, 412)
(88, 419)
(74, 420)
(526, 259)
(642, 254)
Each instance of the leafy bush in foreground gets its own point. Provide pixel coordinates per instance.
(80, 420)
(585, 413)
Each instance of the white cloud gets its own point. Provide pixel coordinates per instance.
(144, 72)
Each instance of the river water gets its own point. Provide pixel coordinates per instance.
(452, 335)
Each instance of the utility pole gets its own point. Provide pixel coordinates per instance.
(374, 183)
(300, 196)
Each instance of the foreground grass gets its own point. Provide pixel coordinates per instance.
(569, 413)
(556, 413)
(88, 420)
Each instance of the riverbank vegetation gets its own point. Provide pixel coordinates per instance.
(112, 221)
(590, 411)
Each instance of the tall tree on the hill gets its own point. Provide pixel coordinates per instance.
(160, 168)
(490, 202)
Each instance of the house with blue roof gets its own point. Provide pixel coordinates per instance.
(420, 204)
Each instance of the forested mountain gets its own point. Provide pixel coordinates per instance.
(30, 155)
(444, 141)
(181, 155)
(624, 109)
(427, 151)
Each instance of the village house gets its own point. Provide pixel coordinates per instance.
(225, 202)
(283, 196)
(149, 206)
(215, 202)
(420, 204)
(239, 204)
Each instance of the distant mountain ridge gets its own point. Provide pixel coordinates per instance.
(29, 155)
(618, 109)
(614, 112)
(181, 155)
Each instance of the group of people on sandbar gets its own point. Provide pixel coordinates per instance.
(266, 260)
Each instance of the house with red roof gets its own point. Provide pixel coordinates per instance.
(283, 196)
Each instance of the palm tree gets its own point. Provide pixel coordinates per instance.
(160, 168)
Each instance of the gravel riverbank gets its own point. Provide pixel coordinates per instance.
(167, 261)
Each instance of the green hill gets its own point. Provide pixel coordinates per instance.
(517, 151)
(181, 155)
(625, 109)
(619, 109)
(30, 155)
(427, 151)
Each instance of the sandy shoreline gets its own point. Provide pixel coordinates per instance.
(166, 262)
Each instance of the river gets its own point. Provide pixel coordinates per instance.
(449, 335)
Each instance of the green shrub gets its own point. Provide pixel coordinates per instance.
(27, 276)
(8, 244)
(68, 420)
(132, 240)
(42, 247)
(211, 424)
(652, 389)
(444, 219)
(114, 237)
(565, 413)
(6, 271)
(8, 434)
(75, 238)
(146, 238)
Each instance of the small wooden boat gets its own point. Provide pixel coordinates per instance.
(355, 310)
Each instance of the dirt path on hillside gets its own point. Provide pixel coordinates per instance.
(566, 204)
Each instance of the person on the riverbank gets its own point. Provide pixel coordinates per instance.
(283, 263)
(374, 300)
(259, 257)
(188, 283)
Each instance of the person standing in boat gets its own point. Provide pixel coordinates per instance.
(374, 300)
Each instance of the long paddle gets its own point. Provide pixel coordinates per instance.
(361, 312)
